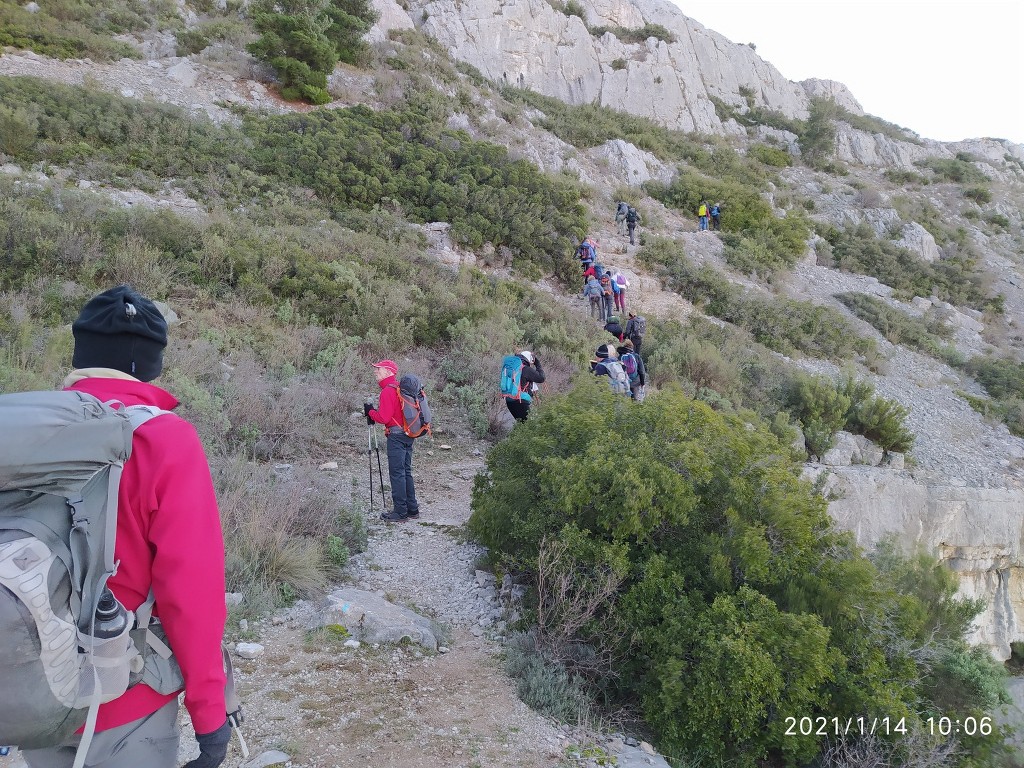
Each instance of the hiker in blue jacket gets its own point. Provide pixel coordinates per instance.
(716, 217)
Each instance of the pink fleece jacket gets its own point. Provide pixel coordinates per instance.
(169, 538)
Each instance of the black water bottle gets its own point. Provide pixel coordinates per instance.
(111, 616)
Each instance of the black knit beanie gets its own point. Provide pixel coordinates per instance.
(123, 330)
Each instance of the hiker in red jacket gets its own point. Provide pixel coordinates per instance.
(168, 540)
(389, 413)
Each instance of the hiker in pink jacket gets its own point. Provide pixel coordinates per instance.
(168, 540)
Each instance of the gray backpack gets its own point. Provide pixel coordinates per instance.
(65, 642)
(618, 380)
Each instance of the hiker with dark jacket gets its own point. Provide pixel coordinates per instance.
(636, 327)
(632, 220)
(614, 328)
(168, 540)
(399, 445)
(530, 379)
(716, 217)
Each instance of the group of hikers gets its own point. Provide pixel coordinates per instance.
(605, 288)
(709, 216)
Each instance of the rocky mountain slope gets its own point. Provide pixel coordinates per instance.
(962, 494)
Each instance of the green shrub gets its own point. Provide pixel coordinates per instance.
(636, 35)
(765, 243)
(821, 410)
(978, 194)
(872, 124)
(618, 64)
(956, 279)
(17, 131)
(738, 602)
(902, 177)
(880, 420)
(818, 139)
(304, 40)
(960, 170)
(773, 156)
(898, 327)
(348, 157)
(784, 325)
(66, 29)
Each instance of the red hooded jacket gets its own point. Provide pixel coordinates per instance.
(169, 538)
(389, 408)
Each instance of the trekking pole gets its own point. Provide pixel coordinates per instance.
(380, 472)
(369, 459)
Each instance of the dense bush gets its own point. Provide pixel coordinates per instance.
(872, 124)
(955, 279)
(776, 157)
(926, 335)
(304, 39)
(353, 158)
(738, 603)
(637, 34)
(67, 29)
(589, 125)
(784, 325)
(822, 407)
(978, 194)
(959, 170)
(1004, 381)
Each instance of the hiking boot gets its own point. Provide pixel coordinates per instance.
(414, 515)
(393, 517)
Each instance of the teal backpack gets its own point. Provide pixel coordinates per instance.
(511, 379)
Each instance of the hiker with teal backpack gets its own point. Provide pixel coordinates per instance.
(140, 632)
(635, 370)
(716, 217)
(521, 377)
(402, 409)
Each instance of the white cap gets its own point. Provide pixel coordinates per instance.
(527, 356)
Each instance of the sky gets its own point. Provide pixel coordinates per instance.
(945, 70)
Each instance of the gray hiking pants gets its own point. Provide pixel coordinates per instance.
(149, 742)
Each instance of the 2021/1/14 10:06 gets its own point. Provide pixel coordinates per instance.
(968, 726)
(843, 726)
(885, 726)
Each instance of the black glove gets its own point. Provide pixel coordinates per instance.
(367, 407)
(213, 747)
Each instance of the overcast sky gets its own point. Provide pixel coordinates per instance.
(946, 70)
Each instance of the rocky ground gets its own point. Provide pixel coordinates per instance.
(312, 702)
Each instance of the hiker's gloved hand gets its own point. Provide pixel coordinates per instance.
(213, 747)
(367, 407)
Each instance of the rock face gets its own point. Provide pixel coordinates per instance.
(530, 44)
(976, 531)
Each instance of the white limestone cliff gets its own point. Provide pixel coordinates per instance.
(976, 531)
(530, 44)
